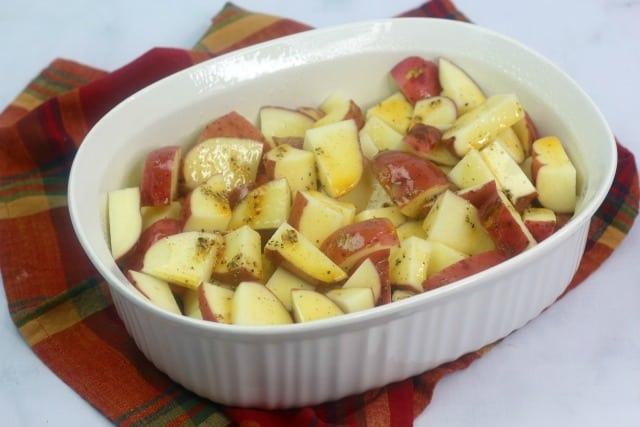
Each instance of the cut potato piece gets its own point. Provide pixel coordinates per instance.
(125, 220)
(459, 86)
(376, 135)
(191, 303)
(310, 305)
(264, 208)
(509, 176)
(207, 207)
(317, 215)
(215, 302)
(241, 258)
(253, 304)
(351, 300)
(291, 249)
(454, 221)
(442, 256)
(185, 259)
(437, 111)
(282, 282)
(336, 107)
(365, 276)
(470, 171)
(409, 264)
(237, 159)
(395, 111)
(297, 166)
(484, 123)
(152, 214)
(157, 291)
(554, 175)
(338, 157)
(280, 122)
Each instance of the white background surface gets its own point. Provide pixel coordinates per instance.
(578, 364)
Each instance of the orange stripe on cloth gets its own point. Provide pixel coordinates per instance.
(376, 412)
(280, 28)
(72, 354)
(11, 114)
(234, 32)
(14, 156)
(58, 77)
(33, 259)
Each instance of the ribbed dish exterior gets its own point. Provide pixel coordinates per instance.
(310, 370)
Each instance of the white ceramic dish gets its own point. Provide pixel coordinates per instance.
(302, 364)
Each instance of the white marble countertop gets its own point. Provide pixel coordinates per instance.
(578, 364)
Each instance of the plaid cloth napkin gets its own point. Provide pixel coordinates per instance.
(62, 307)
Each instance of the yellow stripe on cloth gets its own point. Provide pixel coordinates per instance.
(27, 101)
(236, 31)
(30, 205)
(611, 237)
(50, 323)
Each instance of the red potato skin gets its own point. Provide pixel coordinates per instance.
(464, 268)
(533, 133)
(405, 176)
(540, 230)
(205, 309)
(380, 260)
(185, 213)
(417, 78)
(156, 231)
(536, 164)
(159, 167)
(233, 125)
(502, 227)
(353, 242)
(297, 208)
(524, 202)
(127, 274)
(487, 193)
(497, 219)
(313, 112)
(355, 113)
(237, 194)
(269, 167)
(234, 277)
(423, 138)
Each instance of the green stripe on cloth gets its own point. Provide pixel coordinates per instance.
(87, 298)
(54, 80)
(51, 184)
